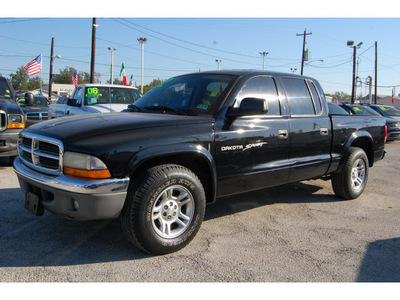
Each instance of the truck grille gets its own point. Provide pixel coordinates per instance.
(37, 116)
(3, 124)
(40, 153)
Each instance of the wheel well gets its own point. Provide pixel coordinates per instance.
(196, 163)
(365, 144)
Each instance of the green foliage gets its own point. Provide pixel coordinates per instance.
(341, 96)
(152, 84)
(65, 76)
(22, 82)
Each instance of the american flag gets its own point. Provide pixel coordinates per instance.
(35, 66)
(75, 78)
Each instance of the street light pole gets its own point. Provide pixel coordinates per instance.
(353, 91)
(112, 63)
(264, 54)
(142, 41)
(218, 61)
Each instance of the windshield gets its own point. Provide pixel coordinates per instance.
(364, 111)
(114, 95)
(391, 111)
(196, 94)
(4, 90)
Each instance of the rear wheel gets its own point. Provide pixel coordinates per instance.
(164, 209)
(352, 180)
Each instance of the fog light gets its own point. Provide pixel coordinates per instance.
(76, 205)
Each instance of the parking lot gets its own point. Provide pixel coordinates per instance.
(294, 233)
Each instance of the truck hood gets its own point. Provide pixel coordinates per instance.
(28, 109)
(88, 126)
(10, 106)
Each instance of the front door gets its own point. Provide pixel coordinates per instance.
(252, 152)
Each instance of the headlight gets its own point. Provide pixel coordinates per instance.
(16, 122)
(84, 165)
(394, 125)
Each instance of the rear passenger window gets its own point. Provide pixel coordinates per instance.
(299, 97)
(263, 88)
(317, 100)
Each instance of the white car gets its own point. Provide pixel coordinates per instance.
(96, 98)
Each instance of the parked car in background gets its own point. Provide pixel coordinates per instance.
(393, 125)
(36, 109)
(386, 111)
(335, 109)
(96, 98)
(12, 119)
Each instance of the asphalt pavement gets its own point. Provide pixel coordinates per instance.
(293, 233)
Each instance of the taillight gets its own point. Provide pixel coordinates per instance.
(385, 133)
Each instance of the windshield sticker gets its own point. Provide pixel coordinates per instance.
(202, 106)
(384, 108)
(93, 92)
(357, 109)
(180, 87)
(7, 91)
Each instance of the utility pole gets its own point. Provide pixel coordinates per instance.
(264, 54)
(304, 47)
(112, 63)
(376, 71)
(142, 41)
(51, 67)
(93, 55)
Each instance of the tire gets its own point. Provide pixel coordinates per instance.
(164, 209)
(352, 180)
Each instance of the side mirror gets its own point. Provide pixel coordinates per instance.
(73, 102)
(249, 107)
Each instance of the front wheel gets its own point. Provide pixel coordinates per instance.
(164, 209)
(352, 180)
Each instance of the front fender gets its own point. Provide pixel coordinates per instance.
(177, 151)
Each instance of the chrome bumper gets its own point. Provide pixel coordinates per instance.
(74, 198)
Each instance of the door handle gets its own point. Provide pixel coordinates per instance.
(323, 131)
(283, 134)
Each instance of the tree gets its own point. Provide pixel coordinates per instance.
(341, 96)
(65, 76)
(151, 85)
(21, 81)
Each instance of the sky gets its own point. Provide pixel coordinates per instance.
(185, 38)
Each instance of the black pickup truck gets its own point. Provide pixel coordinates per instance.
(190, 140)
(11, 120)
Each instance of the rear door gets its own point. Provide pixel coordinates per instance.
(310, 129)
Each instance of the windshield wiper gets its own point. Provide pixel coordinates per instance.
(134, 107)
(166, 108)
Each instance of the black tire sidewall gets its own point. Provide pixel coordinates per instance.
(167, 177)
(355, 154)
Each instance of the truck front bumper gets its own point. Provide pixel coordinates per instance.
(74, 198)
(8, 142)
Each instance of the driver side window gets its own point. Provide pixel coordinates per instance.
(263, 88)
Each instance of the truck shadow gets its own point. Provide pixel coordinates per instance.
(381, 262)
(26, 240)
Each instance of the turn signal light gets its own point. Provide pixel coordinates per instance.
(16, 126)
(91, 174)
